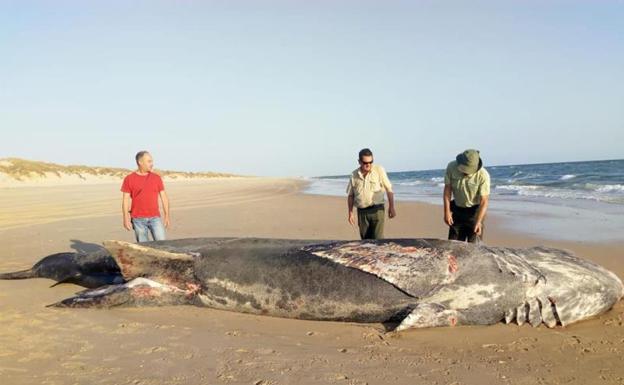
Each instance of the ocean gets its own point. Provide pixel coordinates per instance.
(591, 193)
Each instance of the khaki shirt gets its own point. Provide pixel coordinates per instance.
(467, 189)
(369, 190)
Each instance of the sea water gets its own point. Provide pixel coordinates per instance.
(569, 200)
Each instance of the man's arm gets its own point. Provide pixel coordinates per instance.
(387, 185)
(484, 193)
(350, 201)
(485, 200)
(165, 202)
(350, 208)
(448, 215)
(391, 211)
(125, 206)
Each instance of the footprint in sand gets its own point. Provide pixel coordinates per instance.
(154, 349)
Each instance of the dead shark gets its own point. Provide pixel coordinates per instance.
(414, 283)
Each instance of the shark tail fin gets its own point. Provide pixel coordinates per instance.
(22, 274)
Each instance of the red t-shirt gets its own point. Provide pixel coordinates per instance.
(143, 190)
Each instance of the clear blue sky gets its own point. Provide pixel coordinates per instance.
(298, 87)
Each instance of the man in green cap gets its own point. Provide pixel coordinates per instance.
(468, 183)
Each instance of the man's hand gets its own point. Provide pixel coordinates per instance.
(125, 215)
(478, 228)
(448, 218)
(165, 204)
(391, 212)
(351, 218)
(127, 223)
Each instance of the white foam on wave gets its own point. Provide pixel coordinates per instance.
(611, 188)
(539, 191)
(606, 193)
(567, 177)
(513, 187)
(409, 183)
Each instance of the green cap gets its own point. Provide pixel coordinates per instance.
(469, 162)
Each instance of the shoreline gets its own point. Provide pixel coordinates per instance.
(497, 217)
(553, 219)
(414, 219)
(186, 344)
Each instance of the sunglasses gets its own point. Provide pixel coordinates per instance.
(366, 163)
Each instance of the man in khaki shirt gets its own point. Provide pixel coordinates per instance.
(366, 192)
(469, 184)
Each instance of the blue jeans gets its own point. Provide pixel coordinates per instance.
(152, 225)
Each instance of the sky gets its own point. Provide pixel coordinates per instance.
(297, 88)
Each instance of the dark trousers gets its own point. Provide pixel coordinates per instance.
(371, 222)
(464, 220)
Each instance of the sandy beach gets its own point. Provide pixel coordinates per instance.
(188, 345)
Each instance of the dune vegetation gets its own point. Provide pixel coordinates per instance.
(23, 169)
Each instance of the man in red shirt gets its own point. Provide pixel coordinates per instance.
(144, 187)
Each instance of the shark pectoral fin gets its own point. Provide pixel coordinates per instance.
(138, 292)
(426, 315)
(141, 261)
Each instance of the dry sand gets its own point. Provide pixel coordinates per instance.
(187, 345)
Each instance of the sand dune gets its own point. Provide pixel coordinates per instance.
(16, 172)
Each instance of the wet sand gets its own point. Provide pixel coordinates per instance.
(187, 345)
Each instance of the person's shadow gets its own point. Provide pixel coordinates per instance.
(84, 247)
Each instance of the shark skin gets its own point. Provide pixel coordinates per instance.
(414, 283)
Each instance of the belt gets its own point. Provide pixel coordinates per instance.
(471, 209)
(372, 208)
